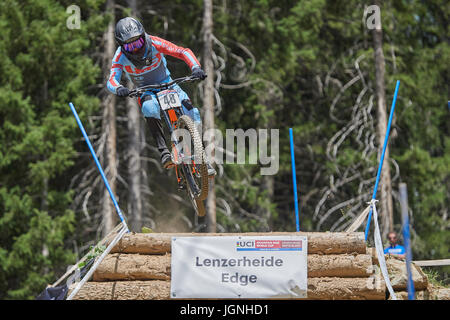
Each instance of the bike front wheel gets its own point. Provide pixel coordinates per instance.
(194, 163)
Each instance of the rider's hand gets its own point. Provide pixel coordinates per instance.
(199, 73)
(122, 92)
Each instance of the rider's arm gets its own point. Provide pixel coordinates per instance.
(173, 50)
(115, 73)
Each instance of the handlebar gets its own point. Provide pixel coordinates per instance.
(140, 90)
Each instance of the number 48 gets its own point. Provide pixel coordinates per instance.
(170, 99)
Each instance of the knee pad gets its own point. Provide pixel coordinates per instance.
(191, 110)
(196, 116)
(150, 108)
(187, 104)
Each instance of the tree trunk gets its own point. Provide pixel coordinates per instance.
(109, 119)
(134, 167)
(133, 153)
(267, 186)
(145, 185)
(386, 206)
(208, 106)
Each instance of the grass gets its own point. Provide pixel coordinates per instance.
(435, 277)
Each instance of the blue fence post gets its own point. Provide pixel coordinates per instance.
(86, 138)
(380, 166)
(406, 238)
(294, 179)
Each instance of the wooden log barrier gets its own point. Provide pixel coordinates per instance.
(124, 290)
(318, 242)
(372, 288)
(139, 267)
(327, 288)
(397, 272)
(119, 266)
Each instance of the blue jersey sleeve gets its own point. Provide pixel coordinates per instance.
(115, 73)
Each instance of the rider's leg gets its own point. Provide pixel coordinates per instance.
(189, 108)
(150, 109)
(194, 114)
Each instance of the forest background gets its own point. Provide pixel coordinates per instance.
(307, 65)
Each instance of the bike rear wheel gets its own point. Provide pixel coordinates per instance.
(200, 208)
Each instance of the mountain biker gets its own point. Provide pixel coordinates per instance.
(141, 57)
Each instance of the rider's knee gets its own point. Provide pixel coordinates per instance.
(150, 109)
(187, 104)
(191, 110)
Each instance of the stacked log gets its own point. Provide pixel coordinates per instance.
(318, 242)
(118, 266)
(430, 293)
(396, 268)
(139, 267)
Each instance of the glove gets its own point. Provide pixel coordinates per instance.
(122, 92)
(199, 73)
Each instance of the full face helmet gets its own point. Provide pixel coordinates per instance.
(130, 35)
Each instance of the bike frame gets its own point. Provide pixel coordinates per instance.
(155, 88)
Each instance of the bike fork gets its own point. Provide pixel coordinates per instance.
(175, 153)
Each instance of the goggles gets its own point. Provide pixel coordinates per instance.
(135, 45)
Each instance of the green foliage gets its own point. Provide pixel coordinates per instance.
(295, 43)
(294, 57)
(94, 252)
(44, 68)
(435, 277)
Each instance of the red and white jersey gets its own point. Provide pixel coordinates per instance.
(156, 71)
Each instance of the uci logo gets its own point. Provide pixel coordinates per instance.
(245, 244)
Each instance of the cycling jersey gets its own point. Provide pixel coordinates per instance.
(397, 249)
(156, 69)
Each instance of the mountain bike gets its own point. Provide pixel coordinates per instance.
(188, 154)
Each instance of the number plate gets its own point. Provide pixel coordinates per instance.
(168, 99)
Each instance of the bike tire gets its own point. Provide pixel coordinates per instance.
(198, 205)
(186, 122)
(200, 208)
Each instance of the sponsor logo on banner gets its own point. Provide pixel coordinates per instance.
(269, 245)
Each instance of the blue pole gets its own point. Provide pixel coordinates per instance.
(113, 198)
(294, 179)
(380, 166)
(406, 239)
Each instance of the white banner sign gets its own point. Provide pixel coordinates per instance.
(239, 267)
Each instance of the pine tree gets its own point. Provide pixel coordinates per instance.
(44, 68)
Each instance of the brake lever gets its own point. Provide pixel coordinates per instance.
(190, 78)
(133, 93)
